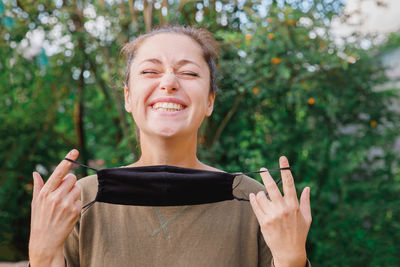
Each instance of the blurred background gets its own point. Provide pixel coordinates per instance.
(315, 80)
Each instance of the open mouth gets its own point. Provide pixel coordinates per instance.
(168, 107)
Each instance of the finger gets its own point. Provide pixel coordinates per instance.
(76, 208)
(74, 194)
(37, 184)
(288, 183)
(73, 201)
(256, 208)
(305, 207)
(272, 189)
(263, 201)
(60, 171)
(66, 185)
(78, 204)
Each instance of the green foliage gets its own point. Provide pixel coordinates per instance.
(285, 89)
(302, 100)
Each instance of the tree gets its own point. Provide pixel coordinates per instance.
(285, 88)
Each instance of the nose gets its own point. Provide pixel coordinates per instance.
(169, 82)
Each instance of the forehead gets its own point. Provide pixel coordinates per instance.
(171, 47)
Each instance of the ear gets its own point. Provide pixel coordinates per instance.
(127, 96)
(210, 104)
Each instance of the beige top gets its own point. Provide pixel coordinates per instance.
(218, 234)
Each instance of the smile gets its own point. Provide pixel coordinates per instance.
(167, 106)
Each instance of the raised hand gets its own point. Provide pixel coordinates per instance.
(55, 210)
(284, 222)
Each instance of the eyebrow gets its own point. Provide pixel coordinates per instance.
(179, 63)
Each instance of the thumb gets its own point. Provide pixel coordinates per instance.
(37, 184)
(305, 207)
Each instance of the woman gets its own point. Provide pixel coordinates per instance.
(170, 88)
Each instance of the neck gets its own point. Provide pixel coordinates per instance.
(175, 151)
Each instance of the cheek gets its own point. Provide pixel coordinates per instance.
(200, 100)
(202, 91)
(141, 90)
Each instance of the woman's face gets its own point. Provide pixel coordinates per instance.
(169, 86)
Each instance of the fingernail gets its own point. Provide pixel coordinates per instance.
(33, 175)
(74, 152)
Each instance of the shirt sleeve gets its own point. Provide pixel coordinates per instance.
(71, 248)
(65, 261)
(264, 254)
(308, 264)
(265, 258)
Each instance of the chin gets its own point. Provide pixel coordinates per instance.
(166, 132)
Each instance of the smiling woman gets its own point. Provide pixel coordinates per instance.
(194, 52)
(169, 90)
(161, 77)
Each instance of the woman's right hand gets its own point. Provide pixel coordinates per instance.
(56, 206)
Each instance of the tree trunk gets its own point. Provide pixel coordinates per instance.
(133, 13)
(78, 20)
(78, 118)
(164, 19)
(148, 14)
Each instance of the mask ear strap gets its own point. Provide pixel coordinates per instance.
(277, 181)
(83, 165)
(270, 170)
(88, 204)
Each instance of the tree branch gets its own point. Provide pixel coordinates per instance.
(148, 14)
(120, 109)
(227, 117)
(133, 13)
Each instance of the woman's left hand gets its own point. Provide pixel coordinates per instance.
(284, 222)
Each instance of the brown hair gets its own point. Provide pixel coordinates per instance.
(200, 35)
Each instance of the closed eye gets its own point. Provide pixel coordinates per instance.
(152, 72)
(191, 74)
(148, 72)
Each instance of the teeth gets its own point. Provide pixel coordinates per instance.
(167, 106)
(167, 109)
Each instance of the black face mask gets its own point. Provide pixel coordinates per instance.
(164, 185)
